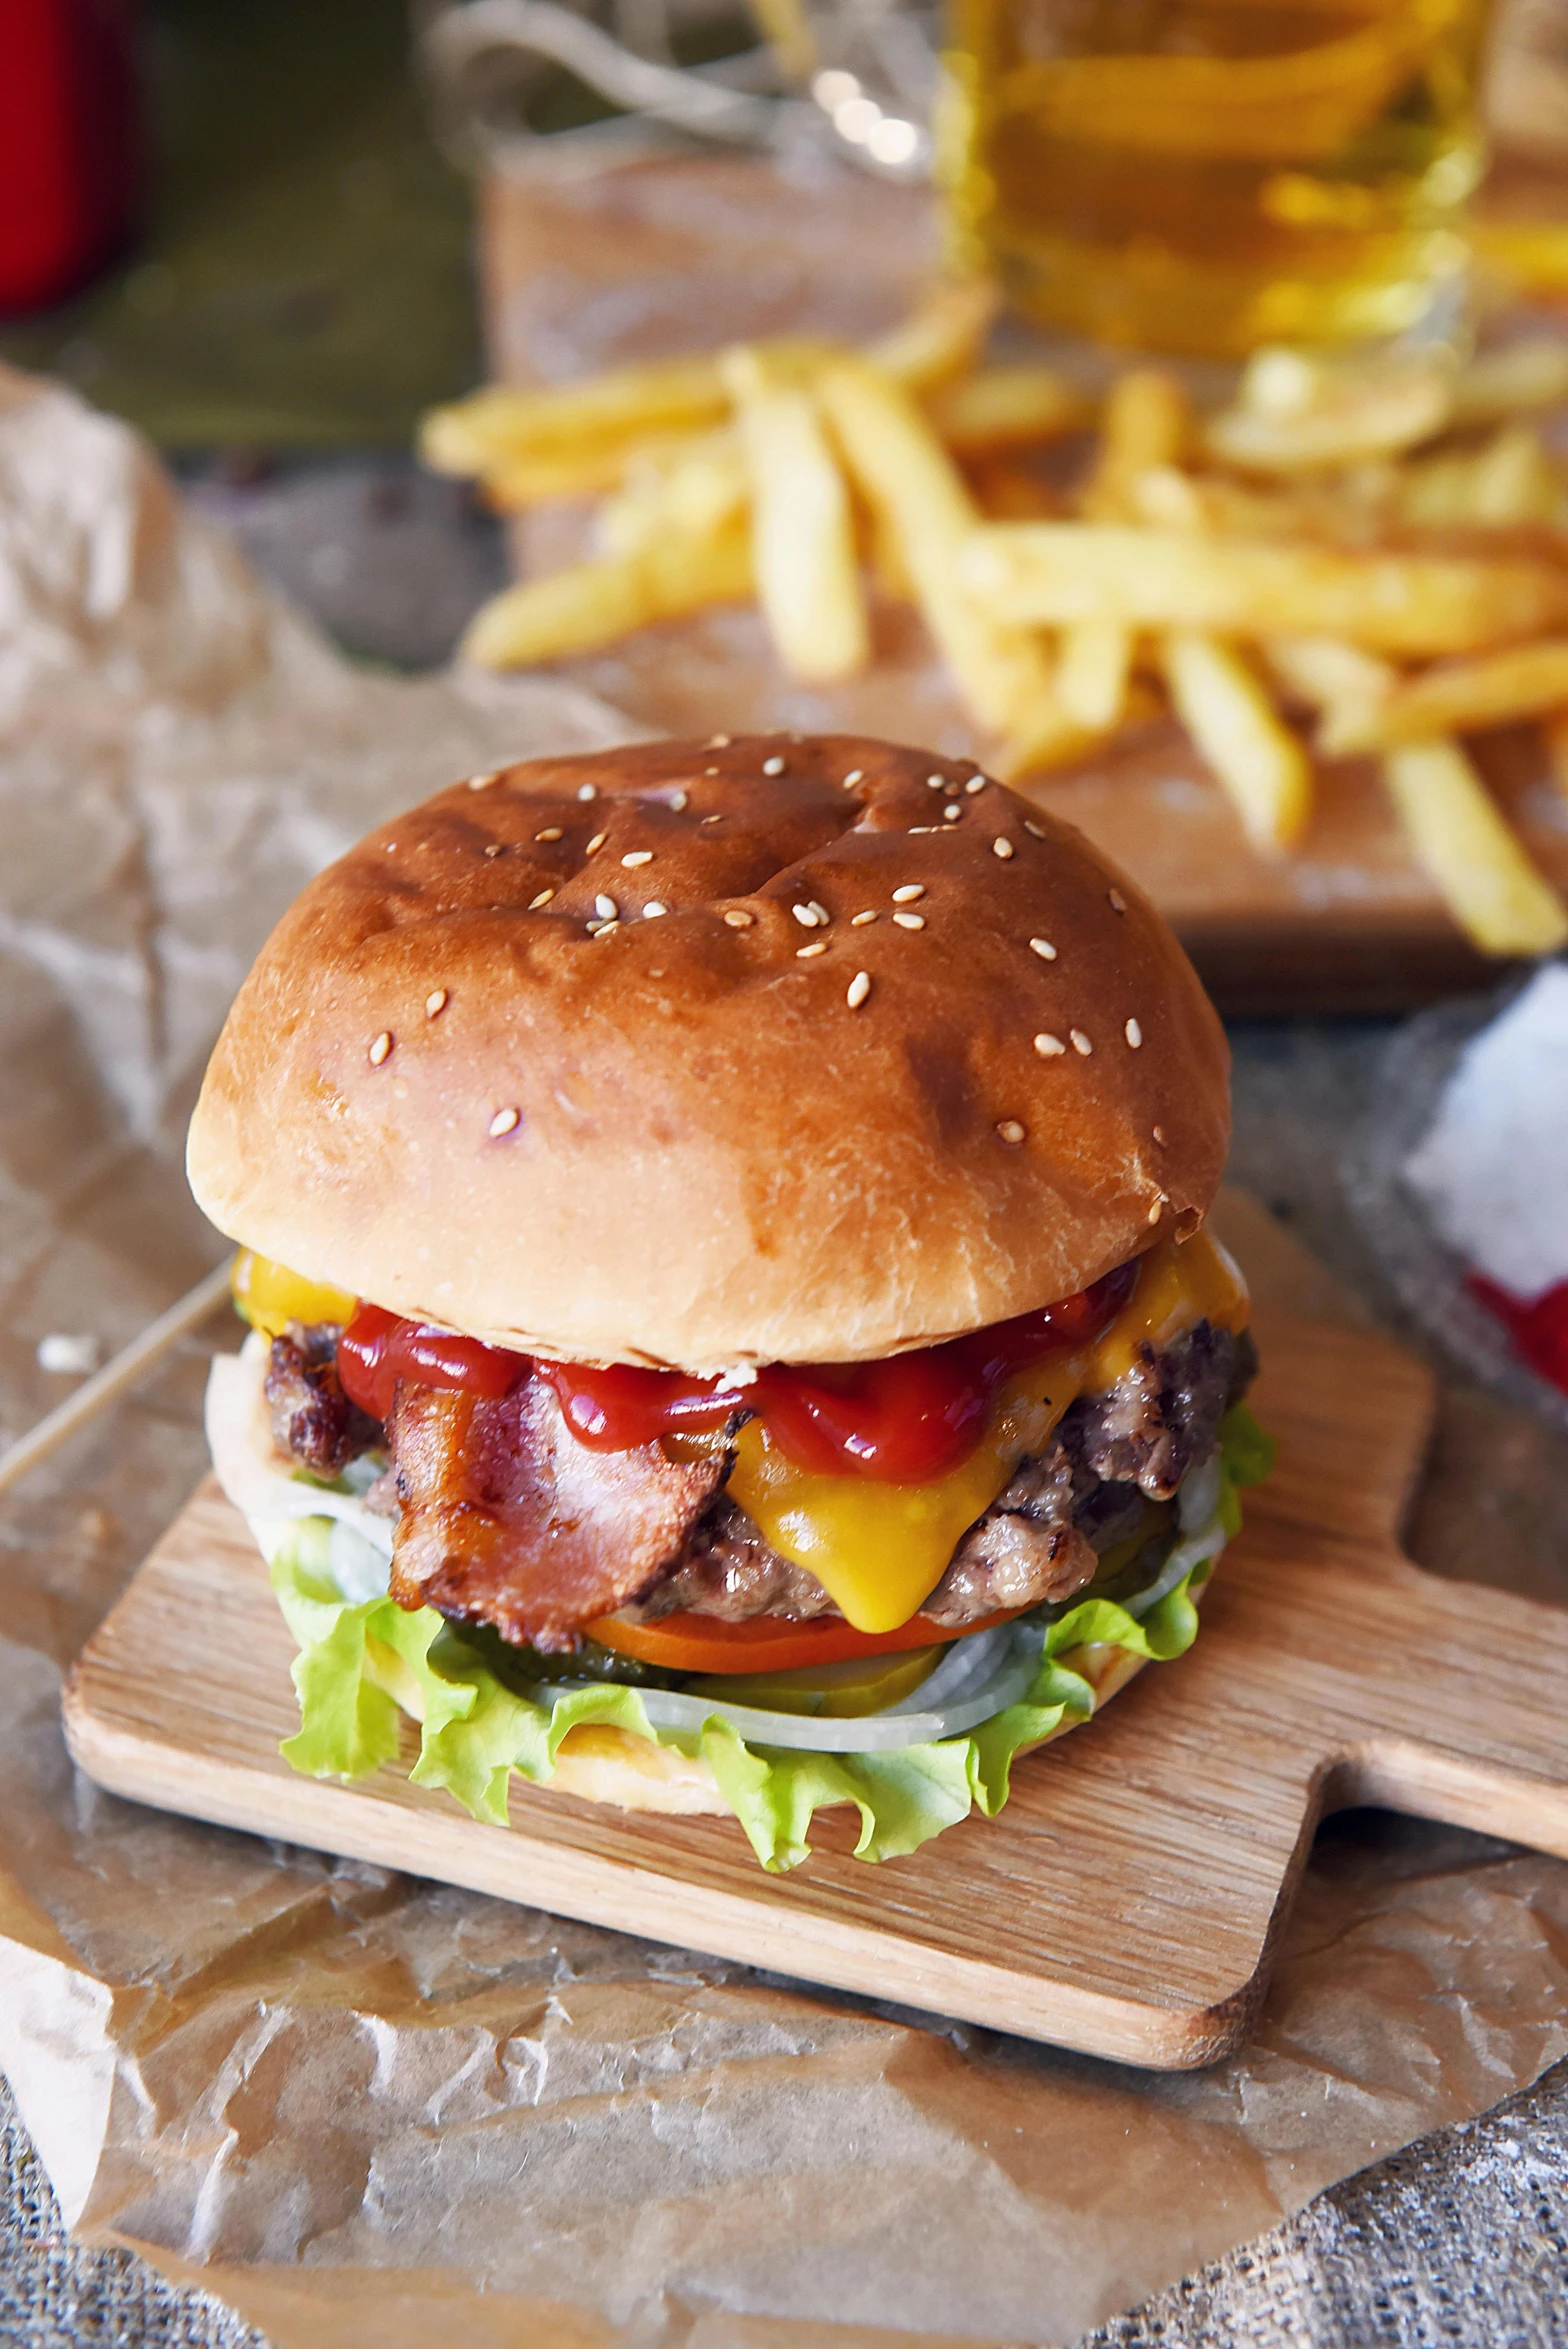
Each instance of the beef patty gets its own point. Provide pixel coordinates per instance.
(505, 1518)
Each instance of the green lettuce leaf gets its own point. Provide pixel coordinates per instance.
(359, 1666)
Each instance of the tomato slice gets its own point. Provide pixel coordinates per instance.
(685, 1642)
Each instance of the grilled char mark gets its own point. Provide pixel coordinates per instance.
(1026, 1548)
(508, 1519)
(313, 1421)
(1041, 1538)
(1162, 1417)
(731, 1573)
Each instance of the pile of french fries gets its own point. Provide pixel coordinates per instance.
(1375, 551)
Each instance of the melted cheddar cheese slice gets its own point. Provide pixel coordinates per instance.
(879, 1550)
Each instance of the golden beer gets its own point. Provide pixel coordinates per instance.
(1203, 176)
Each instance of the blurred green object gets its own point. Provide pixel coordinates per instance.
(304, 276)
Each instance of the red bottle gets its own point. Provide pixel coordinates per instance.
(68, 147)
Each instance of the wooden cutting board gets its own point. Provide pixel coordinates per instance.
(592, 259)
(1129, 1898)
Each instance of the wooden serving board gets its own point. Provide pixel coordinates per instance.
(1128, 1899)
(589, 261)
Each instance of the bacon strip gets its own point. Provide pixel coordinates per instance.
(508, 1519)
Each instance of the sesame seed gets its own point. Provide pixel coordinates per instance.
(483, 782)
(1049, 1047)
(714, 819)
(773, 766)
(914, 829)
(1010, 1130)
(381, 1047)
(543, 898)
(435, 1002)
(603, 929)
(596, 843)
(587, 790)
(820, 910)
(855, 775)
(494, 850)
(606, 908)
(1002, 847)
(803, 953)
(1117, 901)
(654, 907)
(1035, 830)
(936, 782)
(505, 1121)
(909, 892)
(1156, 1210)
(974, 784)
(678, 802)
(910, 921)
(1133, 1034)
(858, 989)
(638, 856)
(859, 921)
(1043, 948)
(1080, 1042)
(718, 742)
(1159, 1135)
(950, 815)
(738, 918)
(550, 832)
(807, 916)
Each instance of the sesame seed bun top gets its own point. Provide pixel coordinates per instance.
(771, 1049)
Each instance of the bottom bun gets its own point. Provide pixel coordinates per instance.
(613, 1766)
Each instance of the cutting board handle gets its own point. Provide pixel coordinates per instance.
(1454, 1706)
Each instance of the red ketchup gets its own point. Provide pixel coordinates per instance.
(1539, 1327)
(378, 1348)
(906, 1419)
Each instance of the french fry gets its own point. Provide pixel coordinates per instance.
(1345, 685)
(1093, 669)
(1515, 481)
(1147, 423)
(941, 338)
(621, 405)
(1465, 697)
(1006, 408)
(691, 490)
(1167, 499)
(1232, 722)
(1050, 574)
(912, 483)
(1050, 740)
(590, 605)
(624, 407)
(1459, 836)
(1519, 380)
(1298, 415)
(1509, 482)
(581, 469)
(802, 529)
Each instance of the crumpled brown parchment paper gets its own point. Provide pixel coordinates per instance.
(368, 2109)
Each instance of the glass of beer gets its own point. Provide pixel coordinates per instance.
(1205, 176)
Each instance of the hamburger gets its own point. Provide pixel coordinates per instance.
(733, 1326)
